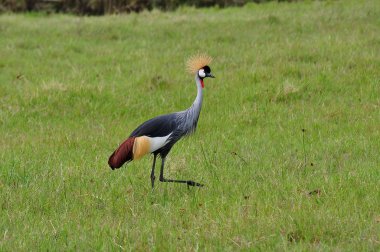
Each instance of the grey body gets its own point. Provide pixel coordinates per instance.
(177, 124)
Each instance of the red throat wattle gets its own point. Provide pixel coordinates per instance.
(202, 84)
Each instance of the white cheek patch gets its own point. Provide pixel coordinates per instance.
(201, 73)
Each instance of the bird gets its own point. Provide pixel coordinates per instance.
(158, 135)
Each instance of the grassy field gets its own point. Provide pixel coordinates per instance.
(73, 88)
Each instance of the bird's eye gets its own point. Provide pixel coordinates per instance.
(202, 73)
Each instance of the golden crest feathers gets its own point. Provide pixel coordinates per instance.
(197, 62)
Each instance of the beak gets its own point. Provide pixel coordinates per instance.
(210, 75)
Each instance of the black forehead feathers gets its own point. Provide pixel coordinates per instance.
(207, 69)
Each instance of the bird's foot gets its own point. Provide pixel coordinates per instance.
(192, 183)
(187, 182)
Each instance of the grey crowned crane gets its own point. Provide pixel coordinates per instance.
(159, 134)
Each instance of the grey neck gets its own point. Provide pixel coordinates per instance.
(188, 119)
(197, 104)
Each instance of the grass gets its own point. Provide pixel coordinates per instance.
(72, 88)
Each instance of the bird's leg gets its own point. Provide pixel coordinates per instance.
(188, 182)
(152, 177)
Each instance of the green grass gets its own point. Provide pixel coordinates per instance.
(72, 88)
